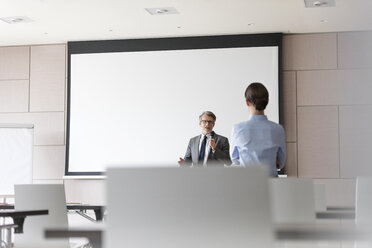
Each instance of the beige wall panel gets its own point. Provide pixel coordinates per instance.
(14, 62)
(355, 141)
(48, 162)
(355, 50)
(38, 181)
(318, 146)
(86, 191)
(339, 192)
(48, 127)
(289, 106)
(334, 87)
(47, 78)
(310, 51)
(291, 160)
(14, 96)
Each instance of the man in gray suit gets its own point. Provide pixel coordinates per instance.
(207, 148)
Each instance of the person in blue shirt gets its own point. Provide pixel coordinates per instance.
(258, 140)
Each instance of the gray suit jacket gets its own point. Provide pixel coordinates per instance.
(221, 155)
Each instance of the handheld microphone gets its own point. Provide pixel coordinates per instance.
(211, 135)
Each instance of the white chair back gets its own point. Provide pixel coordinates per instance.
(188, 207)
(363, 208)
(36, 197)
(363, 204)
(292, 200)
(320, 197)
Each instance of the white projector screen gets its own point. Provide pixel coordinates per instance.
(142, 106)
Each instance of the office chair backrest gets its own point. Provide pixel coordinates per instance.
(292, 200)
(363, 208)
(320, 197)
(363, 204)
(188, 207)
(41, 196)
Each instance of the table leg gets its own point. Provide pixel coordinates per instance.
(19, 222)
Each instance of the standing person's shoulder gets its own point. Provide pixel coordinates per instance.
(276, 125)
(195, 138)
(241, 124)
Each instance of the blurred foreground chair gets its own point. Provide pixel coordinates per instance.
(292, 200)
(43, 196)
(188, 207)
(363, 208)
(320, 197)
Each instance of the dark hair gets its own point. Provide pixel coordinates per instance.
(257, 94)
(208, 113)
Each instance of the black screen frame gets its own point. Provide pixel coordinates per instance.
(162, 44)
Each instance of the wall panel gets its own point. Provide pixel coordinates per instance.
(48, 127)
(49, 162)
(318, 147)
(355, 141)
(355, 50)
(334, 87)
(310, 51)
(14, 62)
(289, 106)
(47, 80)
(14, 96)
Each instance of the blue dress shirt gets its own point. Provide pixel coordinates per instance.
(258, 141)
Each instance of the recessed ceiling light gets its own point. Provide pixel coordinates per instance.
(16, 19)
(323, 20)
(250, 24)
(319, 3)
(162, 11)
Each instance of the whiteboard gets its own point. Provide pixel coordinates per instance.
(15, 156)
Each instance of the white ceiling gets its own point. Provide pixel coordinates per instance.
(59, 21)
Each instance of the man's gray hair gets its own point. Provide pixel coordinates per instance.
(208, 113)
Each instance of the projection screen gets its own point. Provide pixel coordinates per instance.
(136, 102)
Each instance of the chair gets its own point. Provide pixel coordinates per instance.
(43, 196)
(188, 207)
(292, 200)
(320, 197)
(363, 207)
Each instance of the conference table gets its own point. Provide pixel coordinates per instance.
(93, 234)
(19, 216)
(321, 231)
(332, 214)
(79, 208)
(282, 231)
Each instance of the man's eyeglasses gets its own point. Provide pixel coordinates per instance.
(205, 122)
